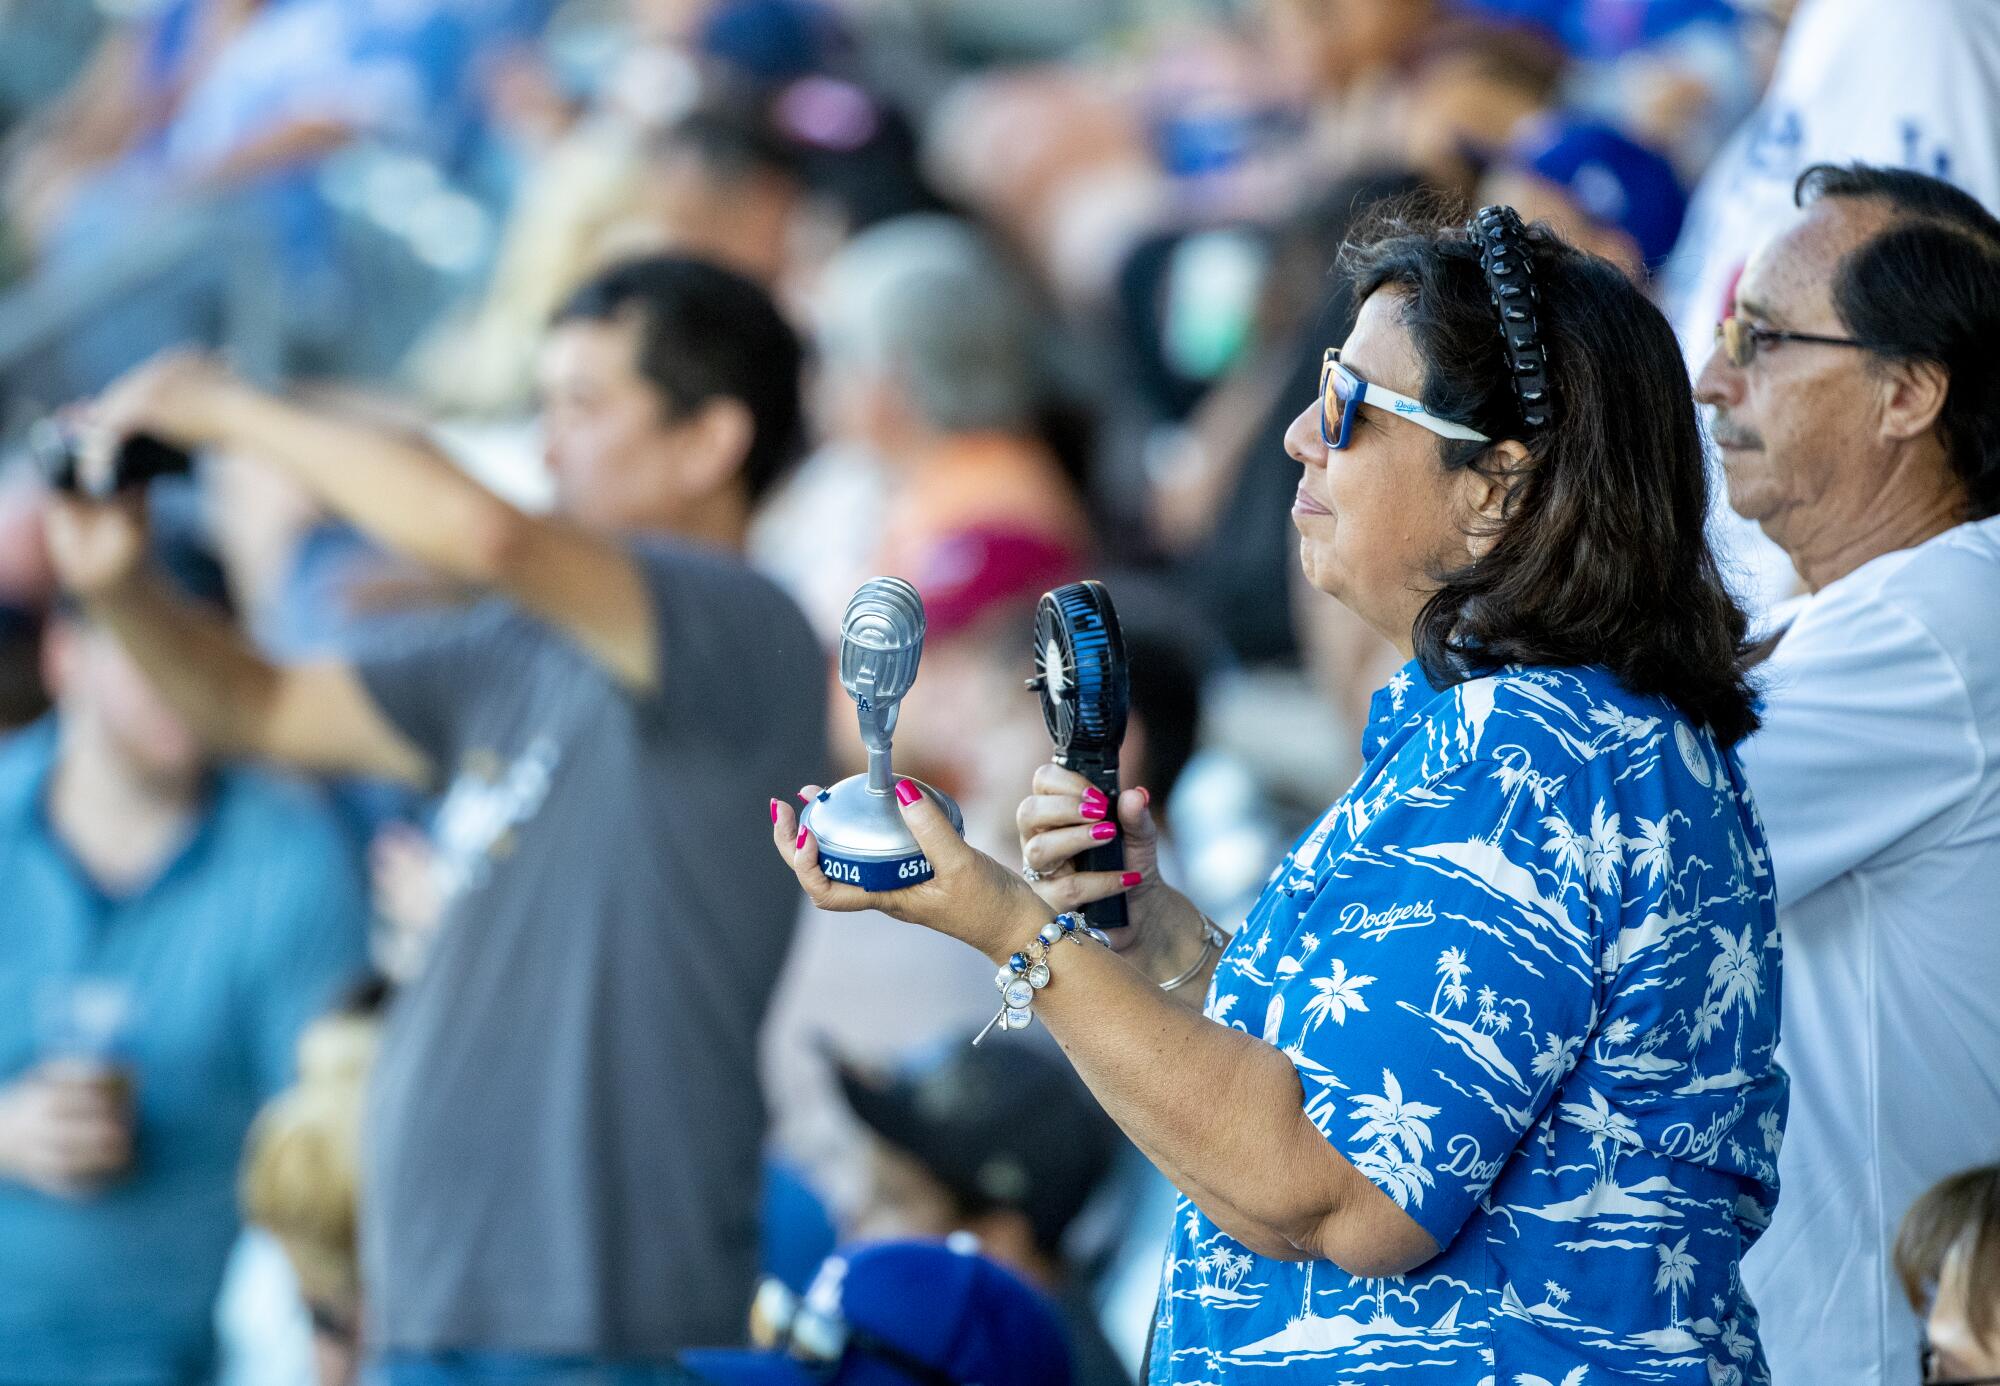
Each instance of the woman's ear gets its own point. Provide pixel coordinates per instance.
(1484, 492)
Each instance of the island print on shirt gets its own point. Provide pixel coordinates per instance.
(1572, 1088)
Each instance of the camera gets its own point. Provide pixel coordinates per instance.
(140, 459)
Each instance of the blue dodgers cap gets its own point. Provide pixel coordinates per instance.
(956, 1312)
(1613, 179)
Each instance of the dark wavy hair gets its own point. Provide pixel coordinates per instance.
(1601, 555)
(1927, 288)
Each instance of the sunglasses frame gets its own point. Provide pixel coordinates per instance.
(1335, 373)
(1740, 341)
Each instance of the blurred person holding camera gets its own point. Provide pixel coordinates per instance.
(564, 1119)
(1857, 408)
(1519, 984)
(169, 925)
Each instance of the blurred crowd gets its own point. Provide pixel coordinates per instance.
(992, 296)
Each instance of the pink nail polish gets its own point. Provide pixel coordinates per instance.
(1092, 809)
(1104, 832)
(774, 810)
(802, 840)
(1130, 879)
(907, 792)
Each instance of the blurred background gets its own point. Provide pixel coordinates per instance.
(1122, 214)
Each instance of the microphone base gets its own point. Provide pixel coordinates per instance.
(863, 840)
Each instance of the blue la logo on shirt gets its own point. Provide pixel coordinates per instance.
(1526, 969)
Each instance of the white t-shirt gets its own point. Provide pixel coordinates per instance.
(1913, 84)
(1877, 774)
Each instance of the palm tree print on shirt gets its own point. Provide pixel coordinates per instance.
(1504, 965)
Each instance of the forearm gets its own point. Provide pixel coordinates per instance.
(204, 667)
(298, 142)
(397, 489)
(1218, 1111)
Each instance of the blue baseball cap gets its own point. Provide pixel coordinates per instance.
(910, 1314)
(1612, 178)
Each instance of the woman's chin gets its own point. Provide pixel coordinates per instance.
(1318, 567)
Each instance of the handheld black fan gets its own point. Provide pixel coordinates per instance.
(1086, 691)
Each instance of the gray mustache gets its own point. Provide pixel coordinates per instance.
(1728, 434)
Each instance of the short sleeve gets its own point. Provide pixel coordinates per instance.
(1440, 985)
(1868, 734)
(735, 652)
(428, 673)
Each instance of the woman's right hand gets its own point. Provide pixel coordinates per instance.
(1064, 818)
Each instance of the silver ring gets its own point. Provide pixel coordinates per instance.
(1029, 874)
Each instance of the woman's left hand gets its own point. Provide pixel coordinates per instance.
(970, 896)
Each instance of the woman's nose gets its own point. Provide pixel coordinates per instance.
(1303, 443)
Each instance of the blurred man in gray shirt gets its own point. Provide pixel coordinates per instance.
(563, 1136)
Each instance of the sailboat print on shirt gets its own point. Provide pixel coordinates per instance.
(1526, 975)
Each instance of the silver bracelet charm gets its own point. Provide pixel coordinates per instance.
(1027, 971)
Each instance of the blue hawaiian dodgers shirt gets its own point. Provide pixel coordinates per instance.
(1527, 968)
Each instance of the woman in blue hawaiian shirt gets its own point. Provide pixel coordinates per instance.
(1483, 1089)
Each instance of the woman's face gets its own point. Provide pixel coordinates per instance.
(1379, 519)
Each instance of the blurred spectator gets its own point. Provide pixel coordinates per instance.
(1003, 1142)
(237, 151)
(1948, 1260)
(721, 184)
(1472, 87)
(169, 926)
(1916, 94)
(1603, 192)
(127, 90)
(1348, 59)
(930, 348)
(897, 1314)
(606, 732)
(302, 1171)
(1857, 405)
(932, 382)
(1057, 161)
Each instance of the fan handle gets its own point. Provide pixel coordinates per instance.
(1102, 771)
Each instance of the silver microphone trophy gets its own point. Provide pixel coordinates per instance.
(862, 837)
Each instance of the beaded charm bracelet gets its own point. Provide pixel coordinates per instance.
(1027, 971)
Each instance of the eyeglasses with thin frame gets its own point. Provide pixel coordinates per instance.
(1927, 1366)
(783, 1322)
(1740, 341)
(1342, 393)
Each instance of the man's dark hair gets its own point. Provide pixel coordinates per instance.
(734, 139)
(707, 333)
(1927, 288)
(1602, 555)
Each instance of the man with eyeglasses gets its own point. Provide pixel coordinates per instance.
(1855, 397)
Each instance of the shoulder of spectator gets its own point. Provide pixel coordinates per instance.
(25, 755)
(289, 815)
